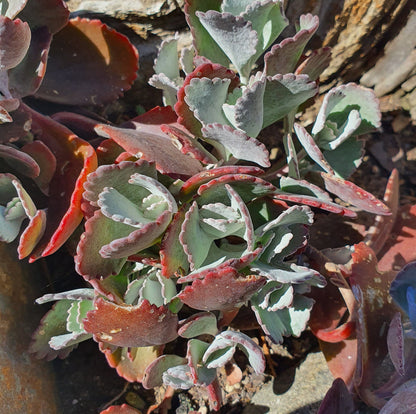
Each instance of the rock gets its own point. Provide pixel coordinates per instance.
(125, 9)
(311, 381)
(26, 384)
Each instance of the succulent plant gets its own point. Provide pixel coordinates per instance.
(185, 220)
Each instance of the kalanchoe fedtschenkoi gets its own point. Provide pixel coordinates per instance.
(178, 235)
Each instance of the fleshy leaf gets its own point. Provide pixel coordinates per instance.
(50, 13)
(106, 56)
(178, 377)
(26, 77)
(14, 40)
(235, 290)
(206, 70)
(348, 191)
(192, 184)
(188, 144)
(284, 56)
(143, 137)
(32, 234)
(338, 103)
(234, 35)
(76, 159)
(131, 326)
(52, 324)
(284, 322)
(199, 324)
(20, 161)
(241, 340)
(131, 363)
(395, 343)
(172, 256)
(153, 376)
(338, 400)
(283, 94)
(248, 110)
(237, 143)
(312, 148)
(76, 294)
(316, 202)
(202, 374)
(402, 402)
(120, 409)
(202, 41)
(205, 98)
(45, 159)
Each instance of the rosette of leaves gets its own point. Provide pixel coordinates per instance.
(141, 314)
(33, 147)
(129, 211)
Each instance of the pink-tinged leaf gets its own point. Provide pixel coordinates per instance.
(338, 400)
(14, 41)
(284, 56)
(207, 70)
(395, 343)
(32, 234)
(315, 202)
(137, 240)
(380, 232)
(312, 148)
(341, 358)
(400, 246)
(374, 310)
(131, 326)
(327, 313)
(235, 263)
(351, 193)
(26, 77)
(237, 143)
(201, 323)
(84, 56)
(192, 184)
(172, 256)
(235, 290)
(131, 363)
(247, 186)
(188, 143)
(144, 138)
(20, 161)
(116, 176)
(99, 231)
(154, 371)
(52, 324)
(404, 402)
(45, 159)
(120, 409)
(76, 159)
(51, 13)
(232, 339)
(315, 63)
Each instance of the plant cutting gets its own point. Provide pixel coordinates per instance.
(179, 215)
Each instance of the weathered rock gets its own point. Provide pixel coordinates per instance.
(311, 381)
(26, 384)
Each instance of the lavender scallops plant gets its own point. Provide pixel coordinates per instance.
(185, 220)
